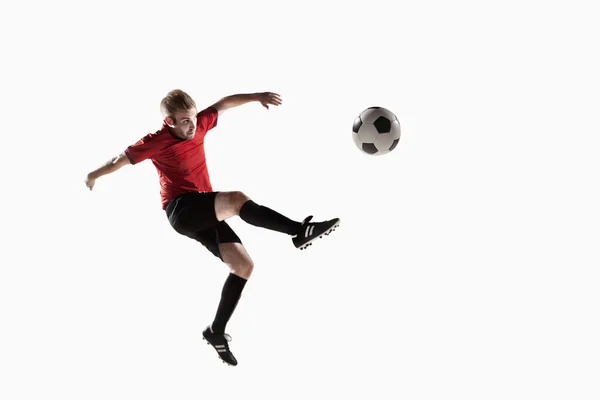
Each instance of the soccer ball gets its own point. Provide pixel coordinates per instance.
(376, 131)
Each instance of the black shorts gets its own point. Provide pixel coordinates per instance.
(193, 215)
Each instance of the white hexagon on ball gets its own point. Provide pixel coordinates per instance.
(367, 133)
(384, 141)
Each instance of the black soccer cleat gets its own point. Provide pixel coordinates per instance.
(311, 231)
(219, 342)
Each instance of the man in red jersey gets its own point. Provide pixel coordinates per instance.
(195, 210)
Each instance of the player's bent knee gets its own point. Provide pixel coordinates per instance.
(228, 204)
(238, 199)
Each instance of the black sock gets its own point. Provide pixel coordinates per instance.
(264, 217)
(230, 295)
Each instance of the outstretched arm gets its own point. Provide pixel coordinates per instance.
(265, 98)
(107, 168)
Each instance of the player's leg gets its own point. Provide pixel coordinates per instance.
(223, 242)
(240, 265)
(229, 204)
(193, 215)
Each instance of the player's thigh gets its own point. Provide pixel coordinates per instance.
(237, 259)
(232, 251)
(235, 255)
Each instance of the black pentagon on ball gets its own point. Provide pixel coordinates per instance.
(373, 108)
(356, 125)
(369, 148)
(393, 146)
(383, 125)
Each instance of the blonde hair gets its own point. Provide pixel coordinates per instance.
(176, 100)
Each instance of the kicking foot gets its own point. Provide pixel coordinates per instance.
(311, 231)
(219, 342)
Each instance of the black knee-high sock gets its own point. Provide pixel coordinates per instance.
(230, 295)
(264, 217)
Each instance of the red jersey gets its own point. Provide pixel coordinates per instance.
(180, 163)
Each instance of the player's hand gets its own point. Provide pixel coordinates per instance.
(89, 182)
(268, 98)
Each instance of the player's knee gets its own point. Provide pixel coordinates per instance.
(237, 200)
(242, 268)
(228, 204)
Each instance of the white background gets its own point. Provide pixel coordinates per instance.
(466, 265)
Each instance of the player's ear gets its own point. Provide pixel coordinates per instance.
(169, 121)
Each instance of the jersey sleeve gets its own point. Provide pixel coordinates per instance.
(207, 118)
(145, 148)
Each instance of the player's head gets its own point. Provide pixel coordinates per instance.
(179, 111)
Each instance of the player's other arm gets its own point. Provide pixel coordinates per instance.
(235, 100)
(108, 167)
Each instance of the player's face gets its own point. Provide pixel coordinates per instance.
(185, 124)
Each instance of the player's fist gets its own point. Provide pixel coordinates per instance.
(268, 98)
(89, 182)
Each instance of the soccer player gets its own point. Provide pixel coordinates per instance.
(195, 210)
